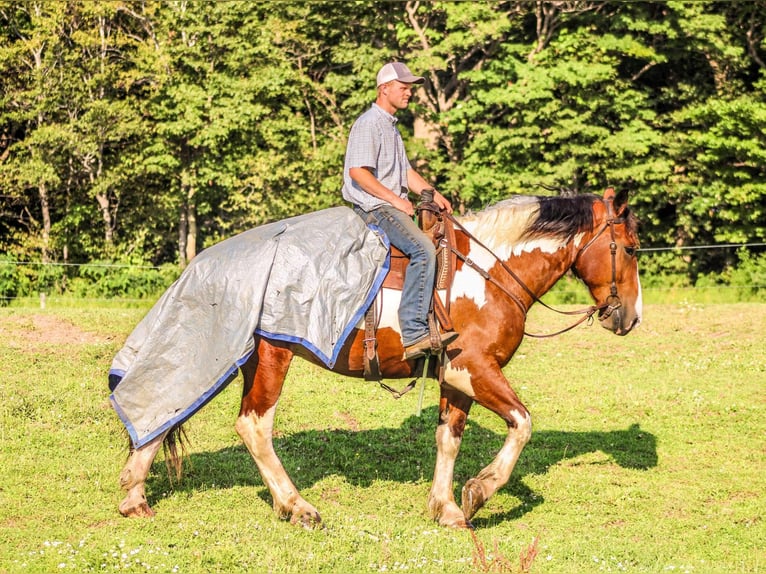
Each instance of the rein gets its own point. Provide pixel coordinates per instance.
(613, 301)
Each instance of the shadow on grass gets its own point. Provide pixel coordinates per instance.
(406, 454)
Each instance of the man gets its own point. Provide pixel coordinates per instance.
(376, 179)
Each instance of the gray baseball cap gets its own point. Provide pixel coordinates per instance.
(397, 71)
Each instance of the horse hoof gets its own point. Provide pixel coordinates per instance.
(472, 498)
(458, 524)
(452, 517)
(142, 510)
(310, 520)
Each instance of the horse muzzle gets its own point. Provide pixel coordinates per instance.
(616, 318)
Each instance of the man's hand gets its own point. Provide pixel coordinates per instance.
(403, 204)
(442, 202)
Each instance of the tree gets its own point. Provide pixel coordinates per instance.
(32, 59)
(145, 130)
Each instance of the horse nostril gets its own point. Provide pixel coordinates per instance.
(621, 327)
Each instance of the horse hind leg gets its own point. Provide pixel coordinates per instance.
(133, 479)
(264, 374)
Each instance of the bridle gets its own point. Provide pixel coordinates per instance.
(612, 302)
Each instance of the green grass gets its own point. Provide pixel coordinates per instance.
(647, 455)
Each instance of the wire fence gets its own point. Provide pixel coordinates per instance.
(130, 266)
(692, 247)
(93, 265)
(681, 291)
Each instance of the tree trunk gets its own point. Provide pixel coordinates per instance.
(187, 226)
(182, 236)
(106, 215)
(191, 232)
(45, 210)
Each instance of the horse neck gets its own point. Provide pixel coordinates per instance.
(540, 270)
(529, 266)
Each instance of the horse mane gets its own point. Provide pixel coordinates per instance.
(533, 216)
(563, 216)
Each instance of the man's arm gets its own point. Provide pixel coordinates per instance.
(365, 179)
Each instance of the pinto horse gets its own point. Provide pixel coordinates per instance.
(507, 257)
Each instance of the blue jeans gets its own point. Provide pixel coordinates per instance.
(404, 234)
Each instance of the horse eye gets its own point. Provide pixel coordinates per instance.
(631, 251)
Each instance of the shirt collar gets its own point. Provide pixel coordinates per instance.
(385, 114)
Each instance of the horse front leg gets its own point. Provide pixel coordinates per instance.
(264, 374)
(453, 412)
(133, 479)
(499, 398)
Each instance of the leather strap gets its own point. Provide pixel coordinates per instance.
(371, 361)
(442, 315)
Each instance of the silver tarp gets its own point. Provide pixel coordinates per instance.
(307, 280)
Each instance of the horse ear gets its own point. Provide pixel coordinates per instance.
(619, 200)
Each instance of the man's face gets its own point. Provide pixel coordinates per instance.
(398, 94)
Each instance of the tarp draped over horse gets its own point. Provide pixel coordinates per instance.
(303, 280)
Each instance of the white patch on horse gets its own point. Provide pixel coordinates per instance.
(523, 421)
(458, 379)
(447, 448)
(387, 302)
(508, 455)
(501, 229)
(639, 305)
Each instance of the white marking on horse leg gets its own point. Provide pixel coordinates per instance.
(133, 479)
(478, 490)
(639, 302)
(256, 433)
(458, 379)
(441, 502)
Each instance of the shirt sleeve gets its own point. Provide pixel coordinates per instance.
(363, 148)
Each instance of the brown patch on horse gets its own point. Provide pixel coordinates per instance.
(453, 410)
(264, 374)
(462, 245)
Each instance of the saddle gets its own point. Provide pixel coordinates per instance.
(442, 233)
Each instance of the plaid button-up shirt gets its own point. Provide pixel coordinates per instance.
(375, 142)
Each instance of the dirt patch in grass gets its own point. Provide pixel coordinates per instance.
(352, 423)
(40, 329)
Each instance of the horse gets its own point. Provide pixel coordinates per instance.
(508, 256)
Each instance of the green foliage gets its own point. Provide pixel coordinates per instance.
(747, 279)
(152, 129)
(664, 269)
(105, 279)
(13, 282)
(97, 280)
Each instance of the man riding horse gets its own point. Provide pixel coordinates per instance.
(376, 179)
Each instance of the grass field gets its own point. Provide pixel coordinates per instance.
(648, 455)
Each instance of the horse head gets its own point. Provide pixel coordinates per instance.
(607, 264)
